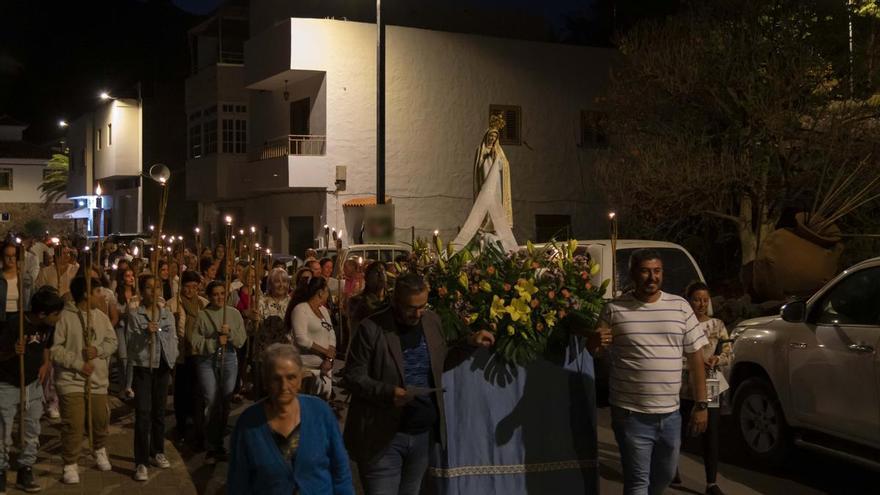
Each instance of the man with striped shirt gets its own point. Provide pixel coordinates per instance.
(649, 331)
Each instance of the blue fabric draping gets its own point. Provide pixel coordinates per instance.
(519, 430)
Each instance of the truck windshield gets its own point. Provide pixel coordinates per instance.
(678, 270)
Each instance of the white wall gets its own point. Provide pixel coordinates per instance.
(122, 157)
(439, 89)
(27, 175)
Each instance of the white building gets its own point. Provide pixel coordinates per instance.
(106, 150)
(217, 114)
(22, 167)
(311, 130)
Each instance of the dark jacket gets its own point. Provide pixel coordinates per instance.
(374, 368)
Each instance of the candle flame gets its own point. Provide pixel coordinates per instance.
(228, 220)
(612, 215)
(253, 229)
(98, 190)
(198, 230)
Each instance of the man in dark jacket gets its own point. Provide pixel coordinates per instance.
(394, 372)
(39, 322)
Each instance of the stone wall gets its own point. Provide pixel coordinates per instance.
(21, 213)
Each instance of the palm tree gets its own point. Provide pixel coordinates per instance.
(54, 185)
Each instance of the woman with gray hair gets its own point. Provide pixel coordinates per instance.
(271, 311)
(287, 443)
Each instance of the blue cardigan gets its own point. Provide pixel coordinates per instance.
(256, 465)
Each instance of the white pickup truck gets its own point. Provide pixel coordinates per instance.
(679, 267)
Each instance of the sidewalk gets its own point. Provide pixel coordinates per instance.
(120, 445)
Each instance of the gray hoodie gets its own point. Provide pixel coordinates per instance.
(68, 346)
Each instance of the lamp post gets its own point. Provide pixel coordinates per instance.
(380, 105)
(612, 217)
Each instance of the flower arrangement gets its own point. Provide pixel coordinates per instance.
(529, 299)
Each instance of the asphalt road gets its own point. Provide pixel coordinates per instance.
(806, 473)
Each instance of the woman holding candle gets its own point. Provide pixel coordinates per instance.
(128, 299)
(214, 343)
(309, 319)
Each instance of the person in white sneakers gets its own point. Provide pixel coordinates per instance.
(152, 365)
(78, 359)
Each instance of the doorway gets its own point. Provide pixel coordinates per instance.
(301, 235)
(300, 114)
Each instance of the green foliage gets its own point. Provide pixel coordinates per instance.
(54, 185)
(732, 109)
(530, 300)
(35, 228)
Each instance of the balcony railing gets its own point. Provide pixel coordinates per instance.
(294, 144)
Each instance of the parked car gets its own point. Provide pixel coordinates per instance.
(810, 377)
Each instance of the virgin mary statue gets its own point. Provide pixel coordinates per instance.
(491, 217)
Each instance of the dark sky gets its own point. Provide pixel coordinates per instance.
(57, 55)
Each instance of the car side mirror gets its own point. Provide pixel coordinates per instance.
(794, 312)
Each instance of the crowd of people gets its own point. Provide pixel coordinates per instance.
(217, 328)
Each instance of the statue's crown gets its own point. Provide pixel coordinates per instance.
(496, 122)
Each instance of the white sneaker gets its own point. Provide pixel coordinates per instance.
(140, 474)
(53, 412)
(101, 460)
(71, 474)
(160, 461)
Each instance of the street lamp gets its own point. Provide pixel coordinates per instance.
(380, 105)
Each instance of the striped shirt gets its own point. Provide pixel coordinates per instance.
(649, 341)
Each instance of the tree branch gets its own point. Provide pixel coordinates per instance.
(725, 216)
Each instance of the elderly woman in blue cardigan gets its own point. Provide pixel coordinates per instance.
(287, 443)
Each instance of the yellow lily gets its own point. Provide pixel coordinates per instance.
(526, 289)
(550, 318)
(497, 310)
(485, 286)
(463, 279)
(510, 330)
(594, 270)
(519, 309)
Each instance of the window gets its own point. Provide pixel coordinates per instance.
(853, 301)
(98, 138)
(109, 134)
(5, 179)
(593, 130)
(210, 134)
(241, 136)
(234, 134)
(513, 123)
(195, 140)
(549, 227)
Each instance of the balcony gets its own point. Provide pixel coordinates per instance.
(291, 145)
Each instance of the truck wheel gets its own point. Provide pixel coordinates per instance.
(761, 422)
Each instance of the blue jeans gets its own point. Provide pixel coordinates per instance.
(214, 400)
(9, 408)
(400, 468)
(649, 445)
